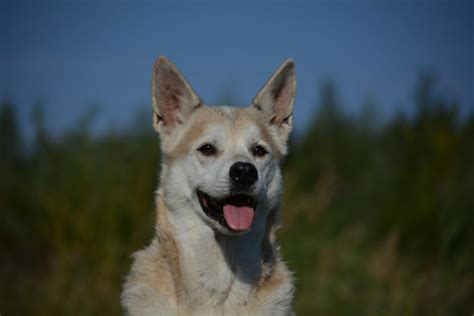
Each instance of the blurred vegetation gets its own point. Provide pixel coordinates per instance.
(378, 219)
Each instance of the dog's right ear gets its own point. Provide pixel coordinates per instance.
(173, 98)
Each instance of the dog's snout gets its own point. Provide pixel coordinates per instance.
(243, 173)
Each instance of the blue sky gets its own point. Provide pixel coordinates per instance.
(73, 55)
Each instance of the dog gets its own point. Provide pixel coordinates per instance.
(214, 251)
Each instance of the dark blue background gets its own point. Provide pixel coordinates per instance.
(71, 55)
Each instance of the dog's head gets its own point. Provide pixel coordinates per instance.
(222, 162)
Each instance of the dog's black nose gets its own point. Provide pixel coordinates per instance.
(243, 173)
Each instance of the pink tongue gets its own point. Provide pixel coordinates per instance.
(238, 218)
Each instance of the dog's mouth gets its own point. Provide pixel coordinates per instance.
(235, 212)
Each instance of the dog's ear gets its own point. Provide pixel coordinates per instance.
(173, 98)
(277, 97)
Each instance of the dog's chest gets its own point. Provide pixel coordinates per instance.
(220, 274)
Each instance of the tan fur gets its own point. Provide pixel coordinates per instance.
(241, 119)
(194, 265)
(165, 237)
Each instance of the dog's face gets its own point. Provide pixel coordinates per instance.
(222, 162)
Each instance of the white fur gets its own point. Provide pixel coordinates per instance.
(220, 272)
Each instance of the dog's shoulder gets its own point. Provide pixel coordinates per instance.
(149, 285)
(275, 294)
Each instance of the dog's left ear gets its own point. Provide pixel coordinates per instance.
(277, 97)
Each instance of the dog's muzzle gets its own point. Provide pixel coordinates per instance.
(235, 212)
(243, 175)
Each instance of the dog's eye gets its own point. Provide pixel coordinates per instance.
(207, 150)
(259, 151)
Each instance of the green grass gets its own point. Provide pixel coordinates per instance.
(376, 220)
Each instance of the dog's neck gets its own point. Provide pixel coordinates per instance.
(227, 268)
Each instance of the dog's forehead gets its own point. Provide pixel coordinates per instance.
(233, 122)
(228, 118)
(222, 121)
